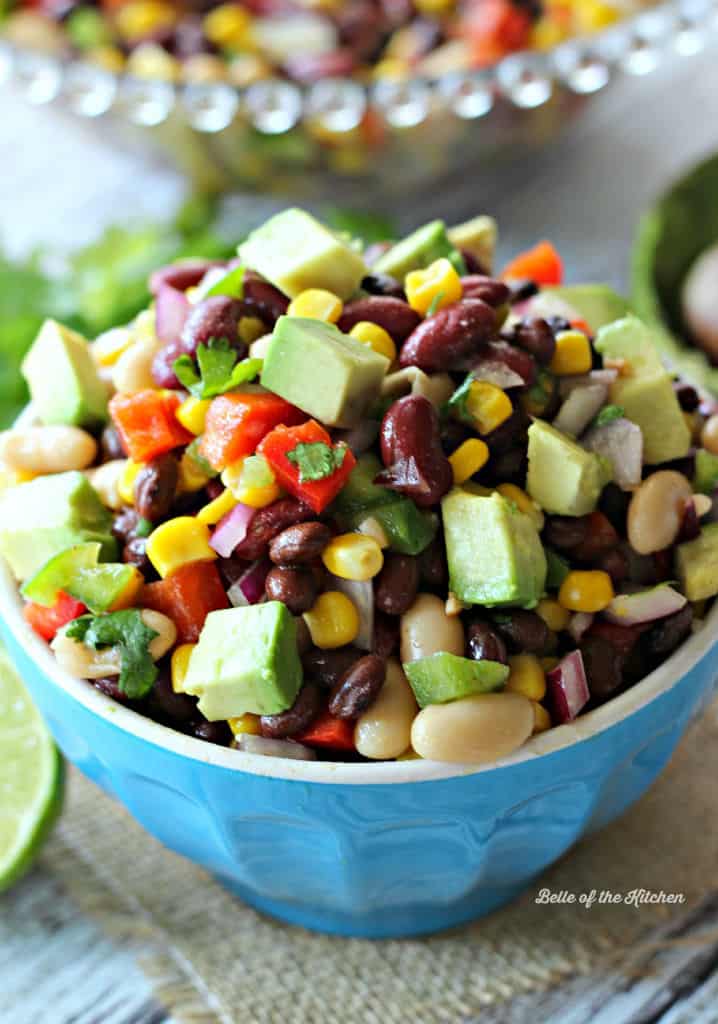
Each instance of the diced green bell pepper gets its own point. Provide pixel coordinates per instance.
(78, 572)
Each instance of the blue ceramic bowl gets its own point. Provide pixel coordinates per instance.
(374, 850)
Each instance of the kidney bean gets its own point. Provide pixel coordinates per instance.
(488, 289)
(296, 719)
(483, 643)
(212, 732)
(394, 315)
(535, 336)
(663, 637)
(164, 703)
(397, 584)
(688, 397)
(525, 631)
(386, 634)
(623, 638)
(183, 275)
(603, 665)
(214, 488)
(411, 450)
(163, 373)
(566, 532)
(383, 284)
(294, 586)
(304, 637)
(155, 487)
(514, 358)
(111, 445)
(263, 300)
(690, 523)
(358, 687)
(214, 317)
(326, 667)
(268, 522)
(449, 338)
(432, 564)
(299, 544)
(600, 538)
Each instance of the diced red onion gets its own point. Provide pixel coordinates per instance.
(231, 529)
(567, 384)
(249, 588)
(645, 606)
(579, 408)
(275, 748)
(361, 594)
(568, 687)
(171, 309)
(495, 372)
(181, 275)
(621, 442)
(580, 623)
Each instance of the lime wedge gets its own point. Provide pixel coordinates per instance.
(31, 777)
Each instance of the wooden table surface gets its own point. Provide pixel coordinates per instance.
(59, 183)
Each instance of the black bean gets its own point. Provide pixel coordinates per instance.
(663, 637)
(558, 323)
(212, 732)
(295, 586)
(615, 564)
(301, 543)
(687, 396)
(432, 564)
(522, 290)
(110, 686)
(155, 487)
(604, 667)
(566, 532)
(124, 525)
(111, 444)
(483, 643)
(358, 687)
(511, 432)
(397, 584)
(386, 634)
(535, 336)
(295, 719)
(383, 284)
(525, 631)
(163, 703)
(304, 637)
(614, 505)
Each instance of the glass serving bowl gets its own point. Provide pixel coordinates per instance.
(396, 134)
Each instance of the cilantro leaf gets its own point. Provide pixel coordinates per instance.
(126, 630)
(608, 414)
(434, 305)
(316, 460)
(217, 369)
(231, 284)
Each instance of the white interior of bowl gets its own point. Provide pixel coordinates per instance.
(658, 682)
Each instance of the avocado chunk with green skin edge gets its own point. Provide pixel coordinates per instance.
(563, 478)
(42, 517)
(443, 677)
(705, 480)
(418, 250)
(697, 564)
(76, 572)
(325, 373)
(64, 383)
(597, 304)
(295, 251)
(246, 660)
(494, 551)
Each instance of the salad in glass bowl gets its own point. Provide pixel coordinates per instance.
(331, 502)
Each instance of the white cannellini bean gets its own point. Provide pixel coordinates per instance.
(473, 730)
(426, 629)
(49, 449)
(133, 370)
(258, 348)
(86, 663)
(656, 511)
(106, 481)
(165, 629)
(384, 730)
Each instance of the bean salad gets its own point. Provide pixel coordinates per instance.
(327, 501)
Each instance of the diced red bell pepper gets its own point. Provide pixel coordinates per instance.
(237, 422)
(316, 493)
(329, 732)
(581, 325)
(47, 621)
(147, 424)
(541, 264)
(187, 596)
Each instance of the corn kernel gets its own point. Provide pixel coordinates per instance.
(546, 34)
(375, 337)
(317, 304)
(130, 592)
(251, 481)
(143, 17)
(526, 676)
(192, 414)
(393, 68)
(353, 556)
(108, 347)
(523, 503)
(251, 328)
(245, 725)
(572, 355)
(435, 8)
(586, 591)
(542, 719)
(228, 26)
(110, 58)
(555, 617)
(333, 620)
(468, 459)
(178, 542)
(126, 483)
(212, 513)
(488, 406)
(192, 477)
(593, 16)
(437, 286)
(179, 664)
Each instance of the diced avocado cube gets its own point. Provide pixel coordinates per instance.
(697, 564)
(705, 480)
(563, 477)
(64, 384)
(476, 236)
(494, 551)
(294, 251)
(629, 339)
(597, 304)
(40, 518)
(428, 243)
(443, 677)
(325, 373)
(246, 660)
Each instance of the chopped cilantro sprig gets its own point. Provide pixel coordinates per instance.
(128, 631)
(316, 460)
(216, 371)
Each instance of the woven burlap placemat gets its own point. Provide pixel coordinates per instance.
(213, 959)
